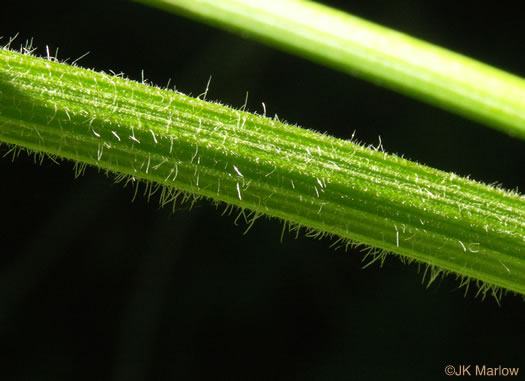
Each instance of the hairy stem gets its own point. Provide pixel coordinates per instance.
(264, 166)
(375, 53)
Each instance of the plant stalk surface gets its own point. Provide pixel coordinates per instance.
(330, 186)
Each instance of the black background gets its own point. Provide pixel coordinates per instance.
(95, 287)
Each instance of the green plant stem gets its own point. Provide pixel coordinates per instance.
(375, 53)
(264, 166)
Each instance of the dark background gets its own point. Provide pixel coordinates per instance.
(95, 287)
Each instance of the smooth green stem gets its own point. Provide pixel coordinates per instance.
(264, 166)
(358, 47)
